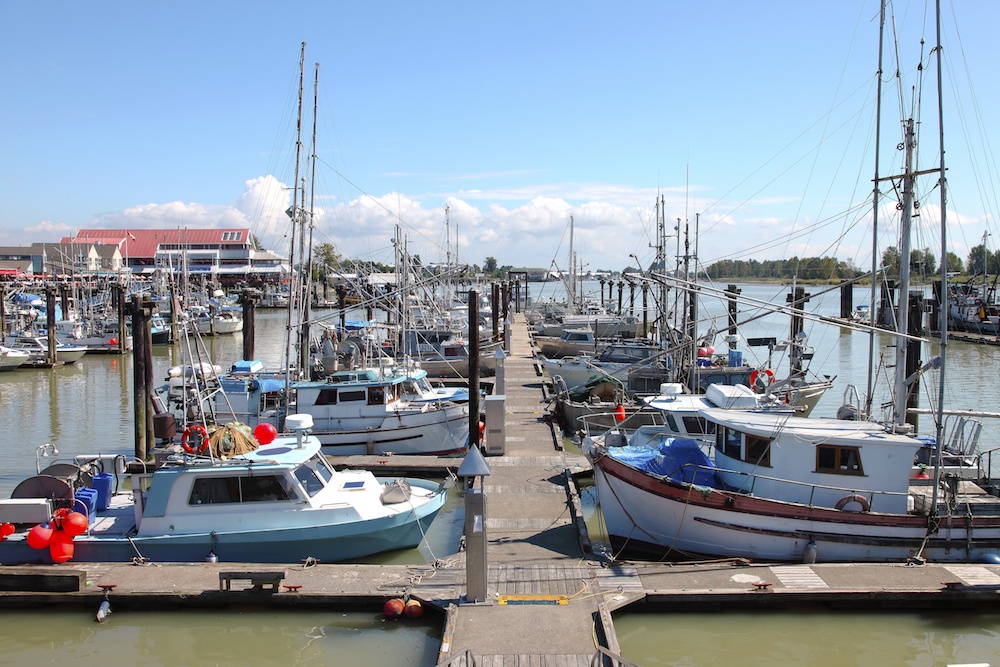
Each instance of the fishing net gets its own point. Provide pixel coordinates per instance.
(231, 440)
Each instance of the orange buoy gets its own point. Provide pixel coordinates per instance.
(75, 524)
(112, 341)
(6, 530)
(620, 412)
(413, 609)
(61, 546)
(39, 536)
(393, 608)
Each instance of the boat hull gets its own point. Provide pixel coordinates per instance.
(307, 537)
(649, 517)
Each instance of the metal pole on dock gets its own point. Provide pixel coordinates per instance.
(473, 301)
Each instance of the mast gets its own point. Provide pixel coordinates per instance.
(903, 307)
(571, 286)
(942, 311)
(875, 205)
(308, 218)
(293, 213)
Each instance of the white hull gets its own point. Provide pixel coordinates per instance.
(664, 519)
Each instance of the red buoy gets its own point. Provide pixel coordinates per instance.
(6, 530)
(39, 536)
(265, 433)
(413, 609)
(75, 524)
(393, 608)
(61, 546)
(620, 412)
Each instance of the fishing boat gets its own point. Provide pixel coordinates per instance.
(228, 498)
(572, 342)
(775, 487)
(37, 349)
(388, 409)
(213, 321)
(11, 358)
(391, 408)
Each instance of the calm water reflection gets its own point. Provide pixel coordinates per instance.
(223, 638)
(808, 637)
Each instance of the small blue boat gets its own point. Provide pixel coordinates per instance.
(280, 502)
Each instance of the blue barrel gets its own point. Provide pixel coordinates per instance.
(735, 358)
(87, 497)
(102, 484)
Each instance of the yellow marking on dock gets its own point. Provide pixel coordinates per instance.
(533, 599)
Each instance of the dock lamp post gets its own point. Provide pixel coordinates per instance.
(473, 466)
(507, 335)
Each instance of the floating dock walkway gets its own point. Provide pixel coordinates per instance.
(550, 599)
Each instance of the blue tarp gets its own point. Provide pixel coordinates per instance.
(269, 385)
(679, 459)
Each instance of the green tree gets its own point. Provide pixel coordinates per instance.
(923, 262)
(890, 261)
(490, 266)
(976, 261)
(954, 262)
(325, 259)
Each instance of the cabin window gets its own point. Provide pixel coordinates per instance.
(258, 488)
(839, 460)
(310, 481)
(348, 396)
(758, 450)
(730, 442)
(321, 467)
(698, 425)
(327, 397)
(672, 423)
(376, 395)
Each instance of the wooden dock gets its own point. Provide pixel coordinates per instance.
(549, 601)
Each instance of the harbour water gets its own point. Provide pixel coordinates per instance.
(85, 408)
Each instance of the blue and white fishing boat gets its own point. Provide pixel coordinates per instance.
(388, 409)
(391, 408)
(279, 502)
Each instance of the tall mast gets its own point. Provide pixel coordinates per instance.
(875, 205)
(571, 287)
(293, 213)
(308, 218)
(943, 310)
(903, 307)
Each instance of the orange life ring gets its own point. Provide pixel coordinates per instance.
(759, 372)
(854, 498)
(194, 428)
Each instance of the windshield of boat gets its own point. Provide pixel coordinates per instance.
(314, 474)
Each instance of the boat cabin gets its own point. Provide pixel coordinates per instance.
(811, 461)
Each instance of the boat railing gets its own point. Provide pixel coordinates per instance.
(689, 470)
(601, 422)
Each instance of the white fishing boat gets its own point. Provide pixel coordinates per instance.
(774, 487)
(229, 499)
(11, 358)
(37, 348)
(387, 409)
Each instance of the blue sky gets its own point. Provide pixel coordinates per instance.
(756, 117)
